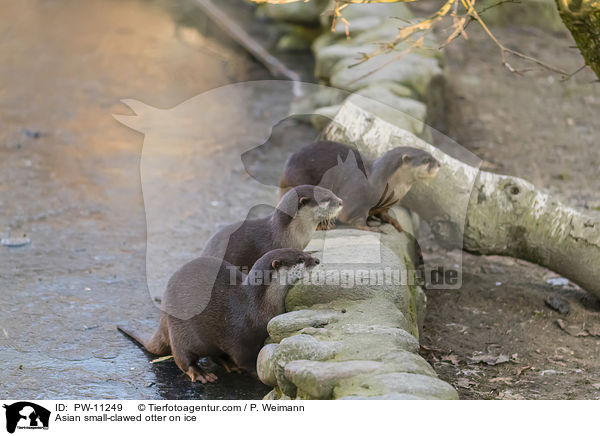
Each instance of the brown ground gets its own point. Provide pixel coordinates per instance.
(545, 130)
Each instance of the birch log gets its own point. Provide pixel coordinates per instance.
(483, 212)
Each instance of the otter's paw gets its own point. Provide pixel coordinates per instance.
(326, 226)
(195, 373)
(228, 364)
(370, 229)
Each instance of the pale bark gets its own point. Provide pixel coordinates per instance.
(483, 212)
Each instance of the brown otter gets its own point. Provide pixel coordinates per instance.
(367, 188)
(232, 327)
(292, 225)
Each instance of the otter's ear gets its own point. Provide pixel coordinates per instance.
(275, 264)
(303, 201)
(405, 158)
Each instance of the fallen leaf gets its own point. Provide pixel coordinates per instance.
(572, 330)
(162, 359)
(508, 395)
(452, 358)
(522, 370)
(505, 380)
(430, 349)
(465, 383)
(490, 359)
(593, 330)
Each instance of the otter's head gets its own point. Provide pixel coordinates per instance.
(425, 166)
(290, 264)
(311, 205)
(281, 267)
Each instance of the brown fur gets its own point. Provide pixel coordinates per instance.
(367, 188)
(232, 327)
(292, 225)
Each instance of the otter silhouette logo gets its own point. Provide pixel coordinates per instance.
(25, 415)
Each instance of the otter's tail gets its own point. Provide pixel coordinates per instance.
(156, 344)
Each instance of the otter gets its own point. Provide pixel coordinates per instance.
(367, 188)
(232, 327)
(292, 225)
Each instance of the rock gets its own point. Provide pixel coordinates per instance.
(357, 24)
(299, 347)
(308, 13)
(559, 304)
(368, 42)
(272, 395)
(369, 339)
(388, 31)
(407, 362)
(392, 88)
(405, 113)
(325, 96)
(297, 38)
(558, 281)
(265, 365)
(327, 38)
(421, 307)
(367, 16)
(317, 379)
(290, 323)
(412, 70)
(402, 383)
(276, 394)
(328, 56)
(15, 242)
(383, 397)
(343, 282)
(323, 116)
(541, 13)
(363, 325)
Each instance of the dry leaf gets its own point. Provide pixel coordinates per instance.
(594, 330)
(572, 330)
(522, 370)
(464, 383)
(452, 358)
(505, 380)
(430, 349)
(162, 359)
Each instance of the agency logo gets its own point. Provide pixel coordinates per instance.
(25, 415)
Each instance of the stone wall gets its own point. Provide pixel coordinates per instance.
(407, 81)
(353, 334)
(354, 337)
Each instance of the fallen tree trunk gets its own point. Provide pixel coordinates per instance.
(483, 212)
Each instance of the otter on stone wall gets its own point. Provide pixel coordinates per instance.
(367, 188)
(292, 225)
(229, 316)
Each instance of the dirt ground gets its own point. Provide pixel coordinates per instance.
(547, 131)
